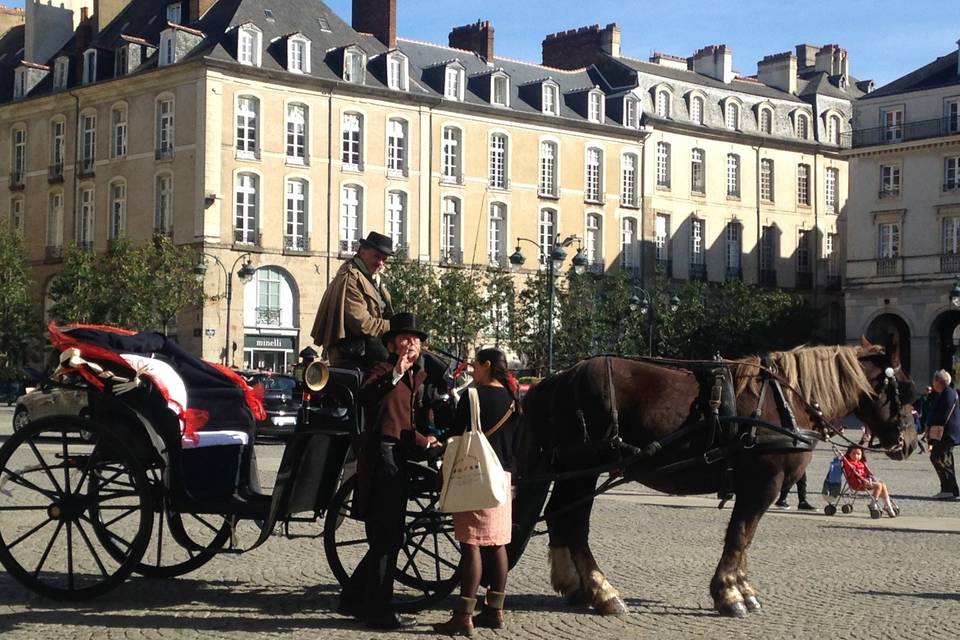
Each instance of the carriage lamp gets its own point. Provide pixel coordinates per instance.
(955, 294)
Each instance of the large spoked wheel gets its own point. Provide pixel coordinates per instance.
(179, 542)
(428, 565)
(65, 485)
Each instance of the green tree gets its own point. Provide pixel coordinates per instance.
(75, 291)
(457, 314)
(173, 287)
(500, 301)
(529, 333)
(124, 271)
(18, 322)
(409, 283)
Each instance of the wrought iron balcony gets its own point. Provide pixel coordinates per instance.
(296, 243)
(55, 172)
(734, 273)
(268, 315)
(246, 236)
(162, 230)
(906, 132)
(804, 280)
(950, 263)
(888, 266)
(698, 271)
(17, 179)
(951, 185)
(768, 277)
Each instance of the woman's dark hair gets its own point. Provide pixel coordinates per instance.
(500, 372)
(863, 454)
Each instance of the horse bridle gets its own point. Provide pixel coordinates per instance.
(891, 388)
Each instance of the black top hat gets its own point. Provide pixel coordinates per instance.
(404, 323)
(379, 242)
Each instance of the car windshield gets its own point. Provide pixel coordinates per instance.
(276, 383)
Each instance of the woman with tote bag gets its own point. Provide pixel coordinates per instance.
(484, 534)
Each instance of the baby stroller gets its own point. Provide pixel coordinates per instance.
(839, 492)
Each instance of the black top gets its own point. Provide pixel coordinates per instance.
(494, 402)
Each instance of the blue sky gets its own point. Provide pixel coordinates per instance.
(885, 39)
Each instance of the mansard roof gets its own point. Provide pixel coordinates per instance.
(942, 72)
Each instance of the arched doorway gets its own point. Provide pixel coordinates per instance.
(271, 319)
(892, 332)
(945, 334)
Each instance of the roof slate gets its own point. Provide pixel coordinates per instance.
(942, 72)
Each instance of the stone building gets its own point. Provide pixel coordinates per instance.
(903, 252)
(279, 134)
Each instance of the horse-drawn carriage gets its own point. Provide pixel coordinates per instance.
(157, 480)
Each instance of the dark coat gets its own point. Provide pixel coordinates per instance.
(940, 414)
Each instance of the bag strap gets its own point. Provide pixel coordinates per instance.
(474, 408)
(502, 421)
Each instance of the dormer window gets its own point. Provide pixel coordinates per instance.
(663, 103)
(631, 113)
(89, 66)
(61, 69)
(20, 83)
(354, 66)
(500, 90)
(174, 12)
(298, 54)
(168, 47)
(551, 99)
(731, 115)
(453, 83)
(397, 77)
(595, 106)
(249, 47)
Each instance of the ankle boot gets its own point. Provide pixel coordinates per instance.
(461, 623)
(491, 616)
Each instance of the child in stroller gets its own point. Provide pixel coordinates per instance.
(860, 478)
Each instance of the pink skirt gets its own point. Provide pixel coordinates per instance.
(485, 528)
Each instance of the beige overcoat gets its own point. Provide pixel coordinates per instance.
(350, 307)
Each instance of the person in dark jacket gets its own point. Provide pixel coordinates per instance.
(391, 437)
(945, 413)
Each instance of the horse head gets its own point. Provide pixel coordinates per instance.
(889, 410)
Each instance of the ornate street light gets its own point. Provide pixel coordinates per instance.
(955, 294)
(245, 274)
(644, 306)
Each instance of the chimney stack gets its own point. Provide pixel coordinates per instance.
(49, 25)
(714, 61)
(476, 37)
(806, 56)
(578, 48)
(84, 31)
(779, 71)
(378, 18)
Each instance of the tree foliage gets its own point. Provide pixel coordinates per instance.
(18, 315)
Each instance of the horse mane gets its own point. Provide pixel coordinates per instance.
(829, 375)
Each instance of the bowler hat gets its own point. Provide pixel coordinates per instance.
(378, 241)
(404, 323)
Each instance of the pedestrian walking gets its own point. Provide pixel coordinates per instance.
(943, 433)
(802, 505)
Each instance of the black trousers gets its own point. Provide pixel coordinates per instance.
(371, 584)
(941, 457)
(801, 489)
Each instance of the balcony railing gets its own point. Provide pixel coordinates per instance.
(163, 152)
(804, 279)
(17, 179)
(269, 316)
(53, 252)
(734, 273)
(246, 236)
(888, 266)
(86, 166)
(919, 130)
(296, 243)
(698, 271)
(768, 277)
(55, 172)
(952, 186)
(889, 192)
(950, 263)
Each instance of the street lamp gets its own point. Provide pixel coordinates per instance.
(555, 262)
(646, 308)
(245, 273)
(955, 293)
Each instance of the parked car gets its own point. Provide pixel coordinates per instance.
(278, 399)
(48, 400)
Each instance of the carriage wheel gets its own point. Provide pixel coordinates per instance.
(179, 542)
(54, 474)
(428, 565)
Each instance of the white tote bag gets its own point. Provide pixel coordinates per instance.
(472, 476)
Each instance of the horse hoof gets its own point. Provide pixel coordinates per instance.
(615, 606)
(734, 610)
(752, 604)
(578, 598)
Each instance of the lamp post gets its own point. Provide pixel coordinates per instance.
(646, 308)
(245, 273)
(955, 293)
(555, 261)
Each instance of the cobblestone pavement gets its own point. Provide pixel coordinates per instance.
(845, 576)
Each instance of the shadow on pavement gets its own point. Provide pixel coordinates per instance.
(880, 529)
(925, 596)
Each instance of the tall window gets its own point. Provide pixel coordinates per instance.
(952, 110)
(663, 104)
(803, 251)
(696, 242)
(803, 126)
(168, 51)
(497, 233)
(551, 100)
(892, 120)
(766, 180)
(397, 218)
(165, 122)
(248, 110)
(732, 115)
(803, 184)
(498, 161)
(733, 175)
(248, 45)
(547, 234)
(594, 239)
(766, 121)
(501, 91)
(298, 55)
(661, 232)
(697, 171)
(88, 142)
(733, 249)
(84, 229)
(548, 168)
(833, 130)
(453, 83)
(628, 180)
(696, 110)
(832, 255)
(889, 181)
(768, 250)
(163, 217)
(248, 202)
(951, 235)
(122, 62)
(396, 72)
(450, 231)
(353, 67)
(16, 214)
(118, 144)
(351, 217)
(889, 246)
(269, 283)
(18, 160)
(60, 72)
(90, 66)
(629, 250)
(397, 147)
(295, 220)
(55, 220)
(595, 106)
(594, 178)
(452, 154)
(831, 177)
(631, 113)
(118, 210)
(951, 173)
(352, 142)
(663, 164)
(296, 134)
(58, 133)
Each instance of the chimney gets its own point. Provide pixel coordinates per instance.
(49, 25)
(806, 56)
(104, 11)
(378, 18)
(10, 17)
(197, 9)
(578, 48)
(476, 37)
(84, 31)
(779, 71)
(667, 60)
(714, 61)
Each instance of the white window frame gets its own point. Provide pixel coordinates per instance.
(451, 154)
(951, 111)
(117, 222)
(892, 120)
(451, 224)
(61, 73)
(168, 48)
(499, 148)
(951, 173)
(596, 109)
(55, 219)
(631, 113)
(698, 170)
(58, 145)
(396, 218)
(547, 233)
(497, 234)
(296, 201)
(87, 149)
(629, 163)
(249, 45)
(663, 103)
(768, 248)
(629, 255)
(833, 129)
(174, 12)
(19, 83)
(454, 79)
(86, 216)
(888, 241)
(500, 90)
(118, 138)
(351, 141)
(697, 239)
(804, 263)
(16, 214)
(890, 181)
(351, 217)
(163, 202)
(593, 239)
(663, 165)
(550, 98)
(398, 75)
(950, 229)
(18, 155)
(697, 108)
(548, 184)
(802, 125)
(246, 214)
(247, 127)
(733, 175)
(165, 127)
(397, 147)
(661, 237)
(731, 115)
(803, 184)
(354, 66)
(733, 248)
(765, 120)
(297, 133)
(767, 180)
(593, 187)
(298, 43)
(831, 184)
(89, 66)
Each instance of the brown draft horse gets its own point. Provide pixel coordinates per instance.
(654, 400)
